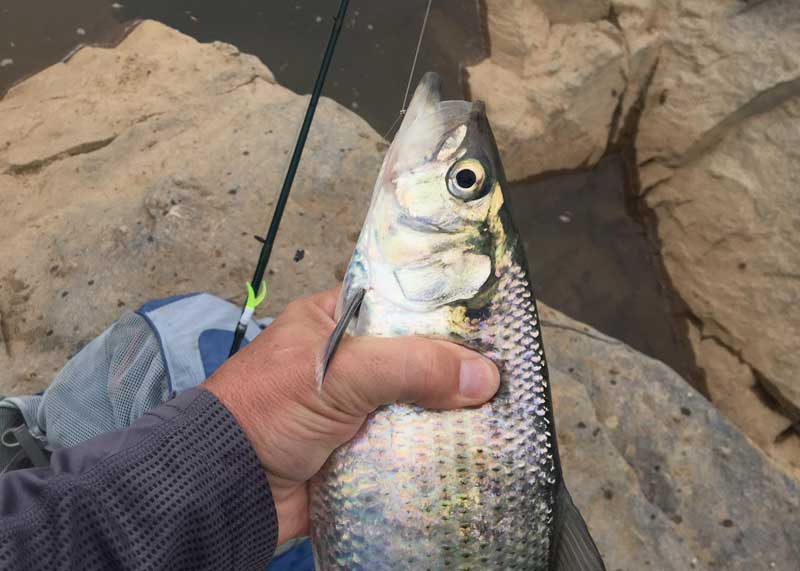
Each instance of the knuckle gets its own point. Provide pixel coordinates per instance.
(343, 391)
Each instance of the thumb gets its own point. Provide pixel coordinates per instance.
(368, 372)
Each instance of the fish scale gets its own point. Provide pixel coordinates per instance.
(465, 490)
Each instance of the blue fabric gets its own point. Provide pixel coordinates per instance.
(214, 345)
(157, 303)
(299, 558)
(178, 322)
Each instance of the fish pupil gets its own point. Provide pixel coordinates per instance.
(466, 178)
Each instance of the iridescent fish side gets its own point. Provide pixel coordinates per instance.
(476, 489)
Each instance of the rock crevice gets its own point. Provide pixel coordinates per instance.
(83, 148)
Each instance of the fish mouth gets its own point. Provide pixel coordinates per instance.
(427, 99)
(427, 96)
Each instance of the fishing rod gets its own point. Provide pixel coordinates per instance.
(257, 283)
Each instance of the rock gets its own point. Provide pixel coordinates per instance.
(642, 23)
(560, 12)
(706, 93)
(663, 479)
(719, 64)
(551, 100)
(143, 171)
(719, 162)
(733, 251)
(516, 27)
(562, 76)
(738, 393)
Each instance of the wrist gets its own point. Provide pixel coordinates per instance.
(287, 496)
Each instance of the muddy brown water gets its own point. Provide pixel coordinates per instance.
(369, 72)
(589, 257)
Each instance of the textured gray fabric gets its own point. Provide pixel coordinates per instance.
(28, 406)
(11, 453)
(180, 489)
(110, 383)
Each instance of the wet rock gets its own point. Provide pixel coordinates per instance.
(116, 167)
(663, 479)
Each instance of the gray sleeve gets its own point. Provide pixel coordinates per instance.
(180, 489)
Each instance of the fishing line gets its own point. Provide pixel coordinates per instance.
(389, 130)
(416, 56)
(257, 289)
(413, 68)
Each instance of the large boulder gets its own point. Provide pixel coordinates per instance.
(561, 77)
(719, 152)
(704, 96)
(663, 479)
(143, 171)
(546, 110)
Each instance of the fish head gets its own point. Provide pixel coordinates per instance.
(443, 164)
(436, 225)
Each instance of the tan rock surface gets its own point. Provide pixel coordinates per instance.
(549, 112)
(720, 63)
(515, 28)
(143, 171)
(562, 76)
(737, 392)
(664, 480)
(718, 144)
(561, 12)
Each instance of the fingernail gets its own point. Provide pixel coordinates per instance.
(478, 379)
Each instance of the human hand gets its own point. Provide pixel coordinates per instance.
(270, 387)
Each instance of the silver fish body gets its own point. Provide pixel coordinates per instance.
(418, 489)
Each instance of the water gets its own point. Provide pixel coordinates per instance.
(369, 72)
(589, 257)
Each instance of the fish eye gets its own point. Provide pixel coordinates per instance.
(466, 179)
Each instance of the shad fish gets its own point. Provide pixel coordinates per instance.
(438, 255)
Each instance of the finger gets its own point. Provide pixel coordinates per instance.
(371, 371)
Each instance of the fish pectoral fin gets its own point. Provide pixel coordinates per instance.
(574, 548)
(349, 311)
